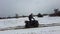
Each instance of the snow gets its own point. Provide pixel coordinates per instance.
(46, 30)
(12, 22)
(20, 22)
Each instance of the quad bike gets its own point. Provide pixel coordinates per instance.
(31, 24)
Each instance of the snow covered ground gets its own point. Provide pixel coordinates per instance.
(20, 22)
(47, 30)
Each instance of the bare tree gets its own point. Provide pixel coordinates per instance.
(16, 16)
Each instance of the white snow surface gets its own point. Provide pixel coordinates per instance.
(20, 22)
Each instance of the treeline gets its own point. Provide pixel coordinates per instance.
(17, 16)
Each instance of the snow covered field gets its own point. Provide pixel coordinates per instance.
(20, 22)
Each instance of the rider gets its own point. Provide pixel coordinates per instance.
(31, 17)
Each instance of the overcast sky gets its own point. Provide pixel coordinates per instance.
(25, 7)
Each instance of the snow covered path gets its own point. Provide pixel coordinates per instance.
(46, 30)
(23, 27)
